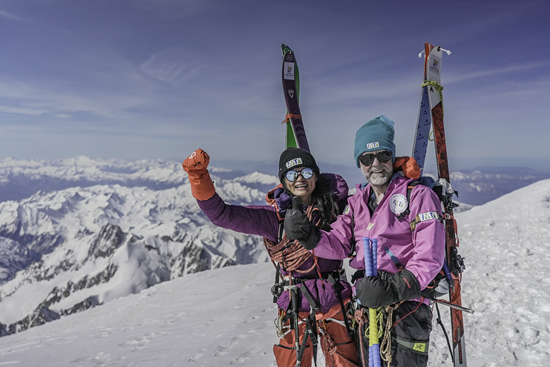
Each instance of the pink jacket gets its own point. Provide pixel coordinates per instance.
(421, 251)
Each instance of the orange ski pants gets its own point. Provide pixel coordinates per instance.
(339, 350)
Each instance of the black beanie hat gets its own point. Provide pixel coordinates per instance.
(295, 157)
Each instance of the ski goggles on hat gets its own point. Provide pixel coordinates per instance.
(292, 175)
(383, 157)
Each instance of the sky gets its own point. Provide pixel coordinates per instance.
(148, 79)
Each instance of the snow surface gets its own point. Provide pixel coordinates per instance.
(224, 317)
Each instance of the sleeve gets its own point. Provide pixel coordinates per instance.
(428, 235)
(258, 220)
(337, 244)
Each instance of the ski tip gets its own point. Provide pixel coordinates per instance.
(285, 48)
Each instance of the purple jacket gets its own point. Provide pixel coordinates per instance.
(421, 251)
(264, 221)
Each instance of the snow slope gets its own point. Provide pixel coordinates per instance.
(224, 317)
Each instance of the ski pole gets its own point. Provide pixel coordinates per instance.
(370, 270)
(452, 305)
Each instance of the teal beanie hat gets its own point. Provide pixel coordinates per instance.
(377, 134)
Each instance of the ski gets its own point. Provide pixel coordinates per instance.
(431, 113)
(429, 97)
(295, 131)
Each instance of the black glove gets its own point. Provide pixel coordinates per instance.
(375, 292)
(298, 227)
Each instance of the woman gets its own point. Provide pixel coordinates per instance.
(311, 292)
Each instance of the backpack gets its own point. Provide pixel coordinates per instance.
(440, 285)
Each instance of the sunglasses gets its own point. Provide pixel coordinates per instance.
(292, 175)
(368, 159)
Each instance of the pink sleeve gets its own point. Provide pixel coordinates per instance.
(428, 236)
(338, 243)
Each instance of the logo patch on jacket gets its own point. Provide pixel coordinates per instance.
(398, 203)
(427, 216)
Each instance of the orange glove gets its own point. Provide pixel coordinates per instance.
(196, 166)
(408, 165)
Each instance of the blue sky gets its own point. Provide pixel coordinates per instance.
(160, 78)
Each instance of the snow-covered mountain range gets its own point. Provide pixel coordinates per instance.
(81, 232)
(21, 178)
(70, 249)
(224, 317)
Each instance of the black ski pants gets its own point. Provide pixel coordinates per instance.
(410, 336)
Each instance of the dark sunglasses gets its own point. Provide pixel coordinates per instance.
(368, 159)
(292, 175)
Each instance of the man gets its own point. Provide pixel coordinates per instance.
(411, 243)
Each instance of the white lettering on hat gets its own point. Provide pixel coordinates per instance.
(373, 145)
(293, 162)
(398, 203)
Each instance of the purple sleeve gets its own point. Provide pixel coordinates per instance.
(259, 220)
(428, 236)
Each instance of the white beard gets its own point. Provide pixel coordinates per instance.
(378, 179)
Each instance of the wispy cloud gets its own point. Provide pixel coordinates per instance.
(5, 14)
(172, 65)
(513, 69)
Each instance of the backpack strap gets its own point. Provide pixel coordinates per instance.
(338, 289)
(353, 252)
(410, 188)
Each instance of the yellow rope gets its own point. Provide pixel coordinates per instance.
(385, 344)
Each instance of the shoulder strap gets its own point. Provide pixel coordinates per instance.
(281, 230)
(352, 253)
(410, 188)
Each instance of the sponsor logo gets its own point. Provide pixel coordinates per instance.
(420, 347)
(373, 145)
(369, 227)
(293, 162)
(346, 209)
(291, 93)
(427, 216)
(435, 65)
(398, 203)
(192, 155)
(288, 71)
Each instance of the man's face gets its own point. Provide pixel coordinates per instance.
(377, 173)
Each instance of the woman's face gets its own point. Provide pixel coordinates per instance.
(300, 186)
